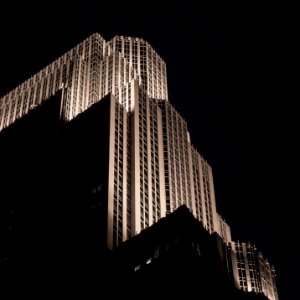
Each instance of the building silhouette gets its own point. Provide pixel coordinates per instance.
(178, 249)
(102, 155)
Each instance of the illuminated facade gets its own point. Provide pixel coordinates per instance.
(86, 74)
(224, 230)
(136, 197)
(252, 272)
(153, 168)
(152, 165)
(146, 63)
(76, 73)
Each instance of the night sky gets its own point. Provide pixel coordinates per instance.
(229, 75)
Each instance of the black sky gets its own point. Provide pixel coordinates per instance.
(229, 76)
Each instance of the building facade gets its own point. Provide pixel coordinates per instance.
(252, 272)
(146, 63)
(152, 167)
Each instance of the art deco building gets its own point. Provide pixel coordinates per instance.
(120, 148)
(153, 168)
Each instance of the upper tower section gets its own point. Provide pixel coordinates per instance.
(77, 73)
(148, 65)
(87, 73)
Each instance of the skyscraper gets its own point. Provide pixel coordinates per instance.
(150, 164)
(151, 169)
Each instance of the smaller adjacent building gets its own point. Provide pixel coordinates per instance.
(251, 271)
